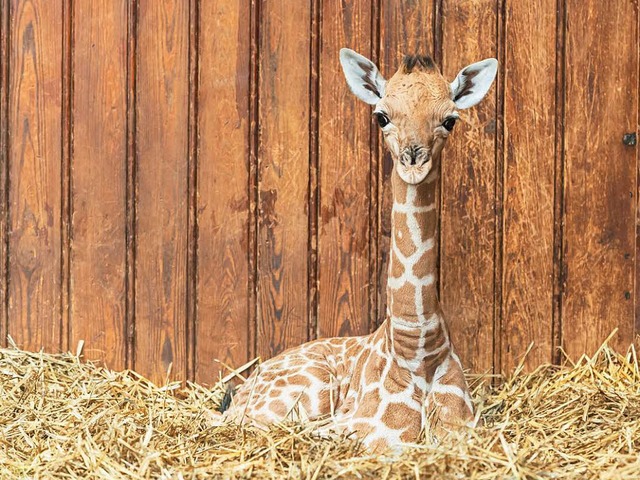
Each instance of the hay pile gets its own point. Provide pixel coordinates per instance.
(62, 418)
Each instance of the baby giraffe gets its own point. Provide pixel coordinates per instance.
(386, 387)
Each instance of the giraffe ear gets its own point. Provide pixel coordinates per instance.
(362, 76)
(473, 83)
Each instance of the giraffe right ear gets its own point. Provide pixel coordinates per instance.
(473, 83)
(363, 76)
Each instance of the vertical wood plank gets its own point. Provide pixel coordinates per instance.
(99, 171)
(405, 28)
(4, 173)
(254, 147)
(468, 183)
(314, 170)
(131, 185)
(558, 247)
(35, 130)
(600, 180)
(636, 332)
(527, 313)
(162, 172)
(283, 174)
(223, 175)
(65, 168)
(344, 180)
(192, 189)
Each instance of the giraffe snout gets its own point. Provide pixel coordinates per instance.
(414, 164)
(414, 155)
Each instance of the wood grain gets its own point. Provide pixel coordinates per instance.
(600, 179)
(221, 194)
(283, 175)
(636, 332)
(468, 190)
(223, 205)
(4, 173)
(405, 29)
(314, 169)
(529, 182)
(98, 170)
(35, 103)
(162, 172)
(345, 174)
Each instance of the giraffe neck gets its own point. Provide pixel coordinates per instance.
(411, 287)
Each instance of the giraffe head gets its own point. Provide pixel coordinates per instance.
(417, 108)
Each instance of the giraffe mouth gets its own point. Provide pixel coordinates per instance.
(414, 164)
(414, 174)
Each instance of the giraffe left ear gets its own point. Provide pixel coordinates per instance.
(362, 76)
(473, 83)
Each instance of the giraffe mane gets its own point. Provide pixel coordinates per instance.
(420, 62)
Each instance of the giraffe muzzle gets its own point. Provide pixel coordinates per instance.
(414, 164)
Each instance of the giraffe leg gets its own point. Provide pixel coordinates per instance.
(448, 404)
(300, 384)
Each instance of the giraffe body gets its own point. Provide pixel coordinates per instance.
(386, 387)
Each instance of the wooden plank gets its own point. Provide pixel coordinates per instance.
(4, 173)
(558, 264)
(35, 102)
(601, 106)
(636, 332)
(468, 183)
(65, 168)
(192, 190)
(406, 28)
(345, 175)
(223, 171)
(529, 184)
(162, 172)
(98, 183)
(283, 174)
(314, 170)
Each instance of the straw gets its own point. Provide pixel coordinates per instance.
(61, 417)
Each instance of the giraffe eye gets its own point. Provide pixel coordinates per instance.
(382, 119)
(449, 123)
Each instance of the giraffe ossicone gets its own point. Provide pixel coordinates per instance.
(387, 387)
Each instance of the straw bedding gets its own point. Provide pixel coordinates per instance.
(64, 418)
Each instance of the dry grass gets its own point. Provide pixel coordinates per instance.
(63, 418)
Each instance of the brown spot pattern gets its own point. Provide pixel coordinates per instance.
(399, 415)
(405, 347)
(397, 269)
(429, 298)
(397, 380)
(278, 407)
(410, 434)
(299, 379)
(374, 368)
(379, 445)
(453, 376)
(450, 408)
(426, 195)
(426, 264)
(402, 235)
(403, 304)
(369, 404)
(362, 428)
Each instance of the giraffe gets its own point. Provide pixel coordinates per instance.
(387, 387)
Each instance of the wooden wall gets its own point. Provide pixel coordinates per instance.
(187, 180)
